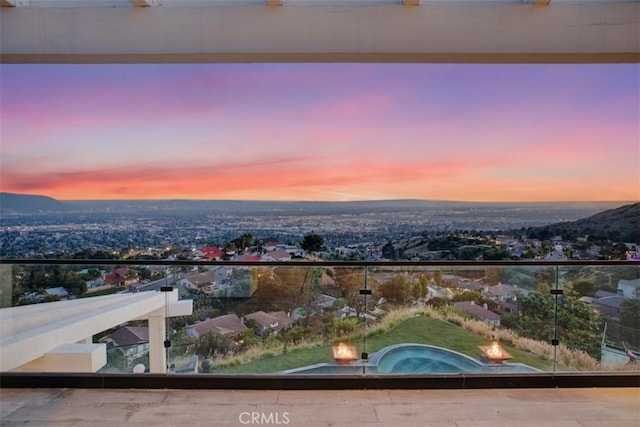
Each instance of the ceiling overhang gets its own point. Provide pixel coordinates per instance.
(148, 31)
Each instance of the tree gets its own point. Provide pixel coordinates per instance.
(630, 313)
(578, 325)
(251, 336)
(292, 335)
(390, 251)
(144, 274)
(37, 279)
(437, 302)
(630, 319)
(350, 280)
(494, 275)
(584, 288)
(312, 243)
(92, 273)
(544, 280)
(212, 344)
(420, 289)
(396, 289)
(437, 277)
(476, 297)
(618, 251)
(242, 243)
(284, 288)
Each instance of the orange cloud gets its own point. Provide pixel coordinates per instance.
(283, 178)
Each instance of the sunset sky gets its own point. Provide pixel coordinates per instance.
(321, 131)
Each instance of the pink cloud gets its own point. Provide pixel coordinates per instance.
(272, 178)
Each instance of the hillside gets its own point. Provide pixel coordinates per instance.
(618, 225)
(27, 203)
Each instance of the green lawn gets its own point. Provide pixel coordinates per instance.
(421, 330)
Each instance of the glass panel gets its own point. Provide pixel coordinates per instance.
(598, 318)
(453, 319)
(226, 318)
(277, 319)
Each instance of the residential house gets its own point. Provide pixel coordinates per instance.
(608, 304)
(469, 285)
(277, 255)
(204, 282)
(229, 325)
(326, 301)
(270, 244)
(633, 255)
(274, 321)
(629, 288)
(117, 277)
(556, 254)
(95, 283)
(211, 253)
(593, 252)
(503, 292)
(59, 291)
(478, 312)
(509, 306)
(517, 249)
(451, 279)
(292, 249)
(131, 341)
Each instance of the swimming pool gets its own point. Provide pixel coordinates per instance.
(420, 358)
(413, 359)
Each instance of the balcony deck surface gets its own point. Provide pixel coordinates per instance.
(575, 407)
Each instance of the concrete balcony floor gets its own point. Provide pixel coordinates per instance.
(593, 407)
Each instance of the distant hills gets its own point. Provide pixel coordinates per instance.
(619, 225)
(37, 204)
(26, 203)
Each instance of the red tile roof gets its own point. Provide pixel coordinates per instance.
(211, 252)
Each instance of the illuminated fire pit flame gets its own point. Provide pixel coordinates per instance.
(494, 352)
(344, 353)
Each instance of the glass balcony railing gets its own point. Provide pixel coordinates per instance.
(315, 319)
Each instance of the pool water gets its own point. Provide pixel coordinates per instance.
(414, 359)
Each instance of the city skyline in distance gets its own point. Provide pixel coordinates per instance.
(30, 203)
(322, 132)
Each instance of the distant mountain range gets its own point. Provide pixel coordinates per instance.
(11, 203)
(619, 225)
(37, 204)
(27, 203)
